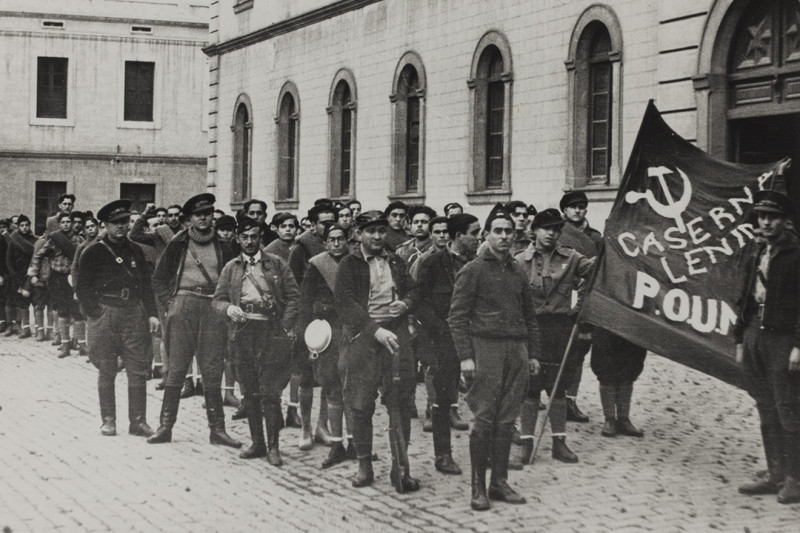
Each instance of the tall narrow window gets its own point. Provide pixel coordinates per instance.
(490, 104)
(599, 119)
(342, 110)
(51, 87)
(241, 153)
(494, 127)
(594, 67)
(139, 83)
(408, 109)
(287, 147)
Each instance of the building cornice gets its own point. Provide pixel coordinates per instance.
(103, 156)
(97, 18)
(111, 38)
(288, 25)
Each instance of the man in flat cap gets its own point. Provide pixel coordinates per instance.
(184, 282)
(259, 298)
(115, 294)
(493, 325)
(20, 252)
(373, 294)
(553, 272)
(767, 337)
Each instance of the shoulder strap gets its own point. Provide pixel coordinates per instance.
(199, 264)
(327, 267)
(118, 259)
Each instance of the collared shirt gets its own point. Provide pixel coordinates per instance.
(381, 285)
(762, 269)
(254, 273)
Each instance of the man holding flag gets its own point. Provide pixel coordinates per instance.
(768, 345)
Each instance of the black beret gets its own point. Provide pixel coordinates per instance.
(572, 198)
(225, 221)
(547, 218)
(78, 215)
(199, 203)
(22, 218)
(115, 210)
(246, 224)
(497, 212)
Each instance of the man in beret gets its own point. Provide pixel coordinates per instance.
(316, 302)
(493, 325)
(373, 294)
(307, 246)
(553, 271)
(59, 248)
(287, 226)
(767, 337)
(20, 252)
(259, 298)
(436, 276)
(184, 282)
(114, 292)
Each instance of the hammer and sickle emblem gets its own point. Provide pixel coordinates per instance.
(671, 209)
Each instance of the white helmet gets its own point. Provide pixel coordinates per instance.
(318, 337)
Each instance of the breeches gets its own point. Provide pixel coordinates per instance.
(120, 332)
(554, 337)
(194, 329)
(263, 363)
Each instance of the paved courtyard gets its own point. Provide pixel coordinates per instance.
(58, 474)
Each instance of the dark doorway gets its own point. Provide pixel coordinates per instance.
(140, 194)
(768, 139)
(47, 193)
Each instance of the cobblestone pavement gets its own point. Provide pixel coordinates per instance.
(58, 474)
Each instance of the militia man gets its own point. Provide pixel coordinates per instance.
(259, 297)
(184, 282)
(115, 294)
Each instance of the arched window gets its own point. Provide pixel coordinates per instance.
(490, 85)
(594, 67)
(408, 112)
(342, 111)
(242, 129)
(288, 121)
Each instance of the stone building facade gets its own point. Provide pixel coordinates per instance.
(103, 98)
(478, 102)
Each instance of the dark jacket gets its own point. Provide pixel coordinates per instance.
(282, 286)
(307, 246)
(169, 269)
(782, 302)
(351, 293)
(99, 273)
(316, 300)
(436, 279)
(158, 238)
(17, 259)
(492, 299)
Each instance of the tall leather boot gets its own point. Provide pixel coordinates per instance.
(478, 456)
(216, 420)
(558, 423)
(442, 449)
(108, 409)
(292, 417)
(322, 434)
(306, 396)
(608, 399)
(790, 491)
(255, 420)
(499, 489)
(521, 455)
(188, 387)
(169, 414)
(771, 436)
(624, 425)
(274, 418)
(137, 412)
(337, 453)
(63, 351)
(362, 437)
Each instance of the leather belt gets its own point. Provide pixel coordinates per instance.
(202, 292)
(256, 309)
(119, 299)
